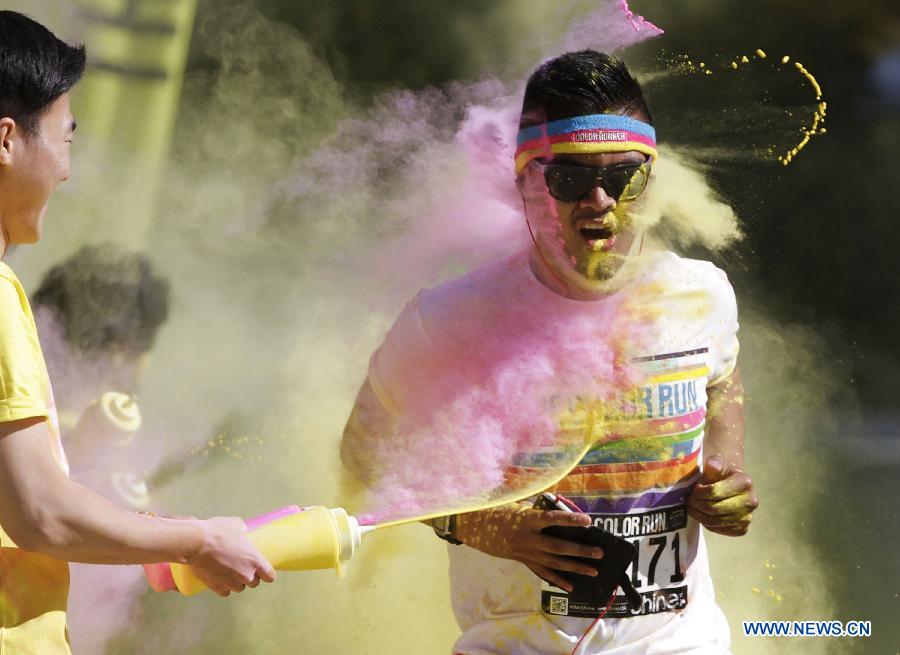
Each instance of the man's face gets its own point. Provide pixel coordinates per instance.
(586, 240)
(33, 164)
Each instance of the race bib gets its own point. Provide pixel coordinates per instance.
(661, 538)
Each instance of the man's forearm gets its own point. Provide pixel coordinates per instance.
(725, 421)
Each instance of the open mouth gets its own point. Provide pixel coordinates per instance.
(598, 237)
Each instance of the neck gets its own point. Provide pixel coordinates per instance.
(4, 234)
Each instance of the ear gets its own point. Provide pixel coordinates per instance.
(8, 129)
(530, 184)
(522, 186)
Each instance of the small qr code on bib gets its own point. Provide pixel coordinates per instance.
(559, 605)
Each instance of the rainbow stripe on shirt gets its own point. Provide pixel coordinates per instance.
(648, 458)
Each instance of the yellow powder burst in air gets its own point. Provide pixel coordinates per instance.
(818, 116)
(811, 79)
(685, 64)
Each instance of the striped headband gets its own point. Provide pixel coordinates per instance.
(585, 134)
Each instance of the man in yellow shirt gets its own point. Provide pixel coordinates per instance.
(46, 518)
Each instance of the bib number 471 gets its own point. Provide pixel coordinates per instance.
(656, 549)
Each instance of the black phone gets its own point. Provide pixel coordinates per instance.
(618, 555)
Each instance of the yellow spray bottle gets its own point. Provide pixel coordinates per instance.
(291, 538)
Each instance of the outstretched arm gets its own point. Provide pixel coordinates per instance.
(44, 511)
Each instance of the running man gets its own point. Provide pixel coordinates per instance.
(671, 459)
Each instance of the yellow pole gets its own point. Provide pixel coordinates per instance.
(127, 105)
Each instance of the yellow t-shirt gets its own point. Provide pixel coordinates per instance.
(34, 588)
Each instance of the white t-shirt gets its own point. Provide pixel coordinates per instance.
(634, 484)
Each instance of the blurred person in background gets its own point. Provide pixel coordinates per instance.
(98, 313)
(47, 519)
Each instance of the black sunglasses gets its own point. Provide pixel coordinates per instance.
(571, 183)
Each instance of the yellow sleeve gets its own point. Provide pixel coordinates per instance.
(24, 387)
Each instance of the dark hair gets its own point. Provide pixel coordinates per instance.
(36, 68)
(579, 84)
(106, 300)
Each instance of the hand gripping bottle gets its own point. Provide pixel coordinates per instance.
(291, 538)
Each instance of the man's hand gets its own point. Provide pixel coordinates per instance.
(228, 561)
(724, 499)
(514, 532)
